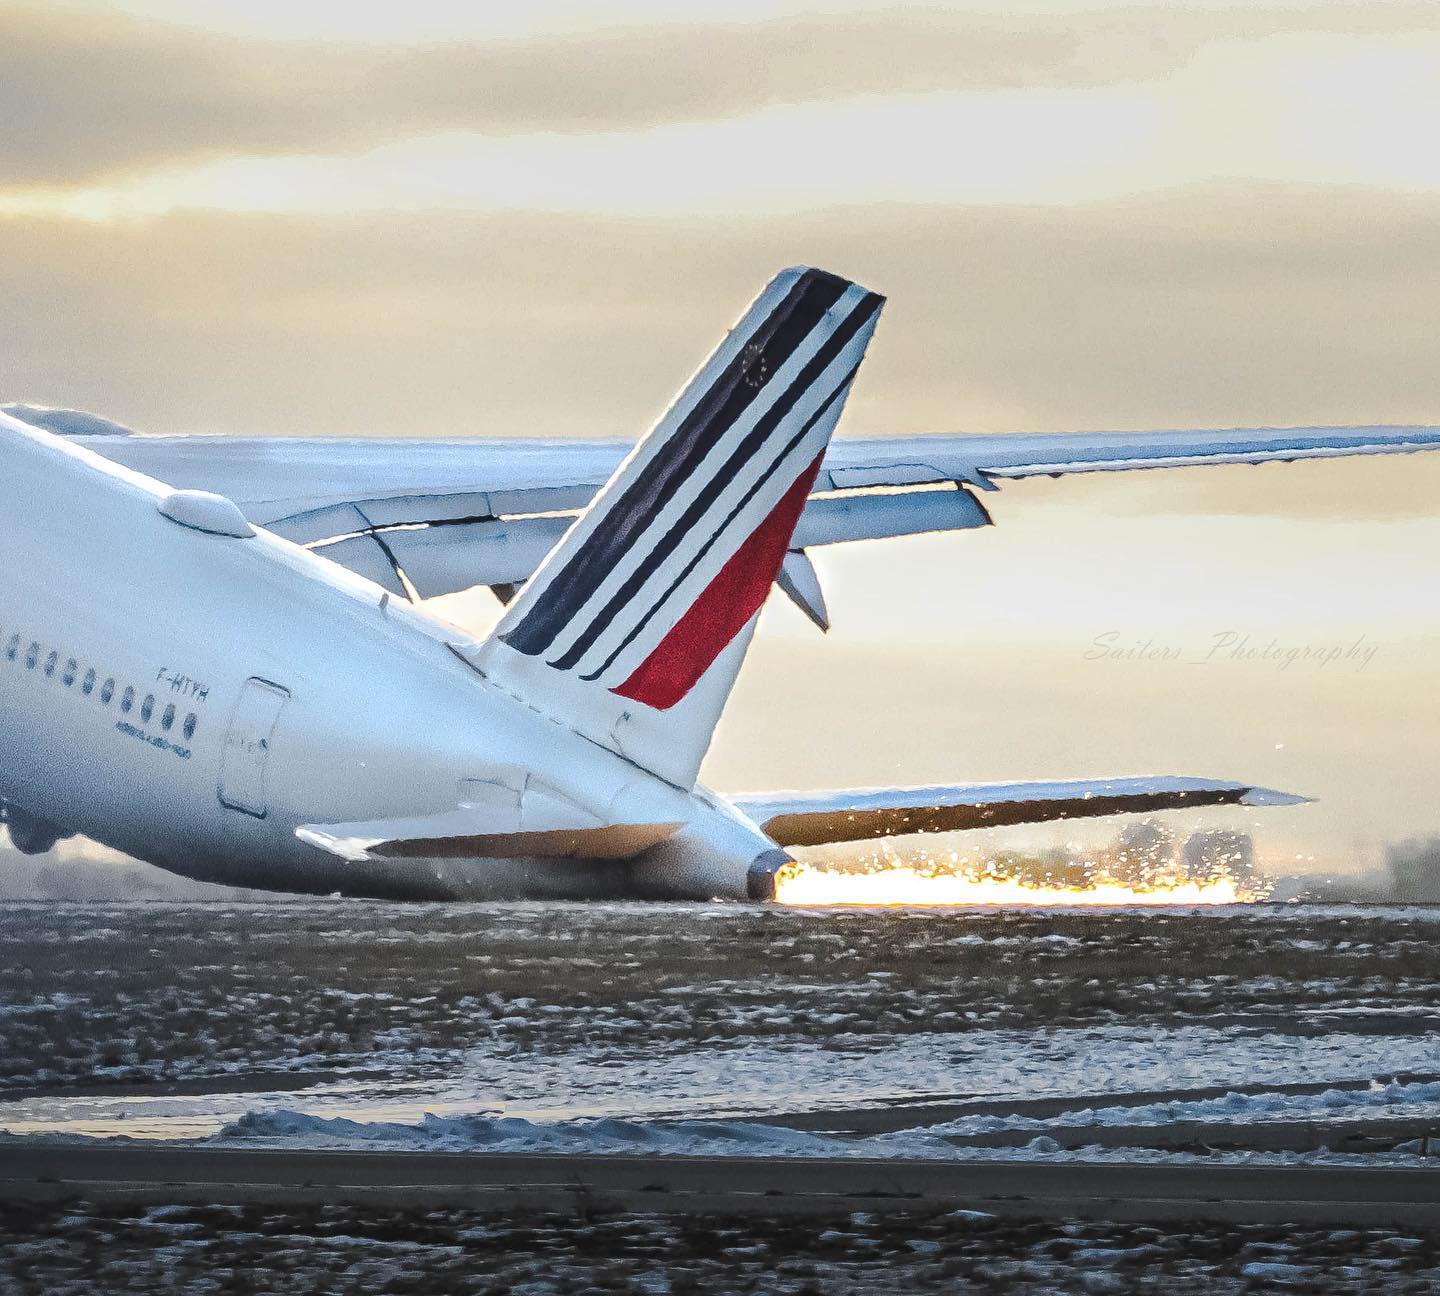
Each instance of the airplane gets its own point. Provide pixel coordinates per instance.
(212, 657)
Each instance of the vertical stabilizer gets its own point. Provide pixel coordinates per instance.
(633, 629)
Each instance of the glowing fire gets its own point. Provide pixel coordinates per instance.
(897, 883)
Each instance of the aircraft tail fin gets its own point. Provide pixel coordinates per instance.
(633, 629)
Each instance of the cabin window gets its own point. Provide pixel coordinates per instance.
(50, 663)
(13, 648)
(32, 655)
(127, 700)
(72, 667)
(147, 708)
(107, 691)
(87, 685)
(168, 718)
(188, 729)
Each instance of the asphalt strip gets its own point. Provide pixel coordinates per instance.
(1312, 1195)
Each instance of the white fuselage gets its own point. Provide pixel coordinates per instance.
(374, 716)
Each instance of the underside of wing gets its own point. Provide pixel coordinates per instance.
(823, 818)
(918, 460)
(464, 834)
(433, 516)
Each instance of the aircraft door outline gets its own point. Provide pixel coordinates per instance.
(247, 746)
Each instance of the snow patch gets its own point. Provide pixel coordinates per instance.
(615, 1137)
(1395, 1099)
(604, 1136)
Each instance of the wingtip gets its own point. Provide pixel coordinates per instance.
(1259, 796)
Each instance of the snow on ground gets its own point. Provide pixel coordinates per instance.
(612, 1137)
(1420, 1101)
(622, 1027)
(781, 1076)
(639, 1030)
(147, 993)
(1002, 1064)
(281, 1127)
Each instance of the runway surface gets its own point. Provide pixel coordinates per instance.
(80, 1249)
(1253, 1194)
(177, 1020)
(551, 1099)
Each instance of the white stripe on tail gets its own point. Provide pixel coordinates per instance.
(633, 629)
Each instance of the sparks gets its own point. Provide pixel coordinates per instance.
(905, 884)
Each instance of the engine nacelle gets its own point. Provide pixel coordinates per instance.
(719, 855)
(31, 835)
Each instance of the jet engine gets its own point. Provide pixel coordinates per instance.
(29, 834)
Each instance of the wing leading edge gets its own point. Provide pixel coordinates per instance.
(451, 514)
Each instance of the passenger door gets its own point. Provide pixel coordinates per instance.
(247, 746)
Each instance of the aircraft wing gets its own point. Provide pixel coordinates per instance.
(823, 818)
(454, 513)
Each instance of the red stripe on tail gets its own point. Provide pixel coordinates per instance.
(723, 608)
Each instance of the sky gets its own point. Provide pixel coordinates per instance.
(437, 218)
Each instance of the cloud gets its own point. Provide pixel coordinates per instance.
(1379, 489)
(429, 20)
(1210, 307)
(88, 96)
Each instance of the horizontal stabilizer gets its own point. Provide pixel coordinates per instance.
(471, 832)
(822, 818)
